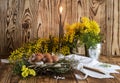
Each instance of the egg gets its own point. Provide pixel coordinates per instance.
(39, 56)
(48, 57)
(55, 58)
(32, 58)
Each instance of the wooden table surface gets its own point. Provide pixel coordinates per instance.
(6, 75)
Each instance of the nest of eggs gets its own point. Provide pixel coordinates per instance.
(46, 58)
(47, 64)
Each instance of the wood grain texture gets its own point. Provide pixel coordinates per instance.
(119, 23)
(25, 20)
(112, 22)
(11, 26)
(27, 17)
(115, 44)
(2, 26)
(5, 74)
(109, 23)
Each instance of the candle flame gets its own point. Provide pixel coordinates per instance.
(61, 9)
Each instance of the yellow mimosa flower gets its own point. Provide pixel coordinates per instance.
(23, 68)
(67, 28)
(85, 19)
(24, 74)
(95, 27)
(32, 72)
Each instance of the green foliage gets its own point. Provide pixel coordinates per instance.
(18, 65)
(52, 44)
(90, 39)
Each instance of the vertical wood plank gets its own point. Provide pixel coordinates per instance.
(45, 15)
(83, 8)
(11, 25)
(119, 23)
(109, 25)
(115, 34)
(68, 11)
(39, 20)
(34, 10)
(3, 8)
(27, 17)
(56, 17)
(112, 28)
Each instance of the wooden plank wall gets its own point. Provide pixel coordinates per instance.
(22, 21)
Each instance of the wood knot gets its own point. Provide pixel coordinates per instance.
(25, 25)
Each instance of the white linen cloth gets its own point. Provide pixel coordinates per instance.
(4, 61)
(92, 63)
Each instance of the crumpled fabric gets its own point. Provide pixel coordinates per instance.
(92, 63)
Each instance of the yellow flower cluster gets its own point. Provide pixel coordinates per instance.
(89, 26)
(69, 37)
(55, 46)
(70, 31)
(86, 25)
(28, 49)
(38, 44)
(86, 31)
(26, 71)
(71, 28)
(16, 55)
(65, 50)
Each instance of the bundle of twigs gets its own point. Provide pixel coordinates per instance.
(61, 67)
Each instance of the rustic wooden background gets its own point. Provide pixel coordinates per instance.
(22, 21)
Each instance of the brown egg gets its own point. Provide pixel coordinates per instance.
(55, 58)
(39, 56)
(48, 57)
